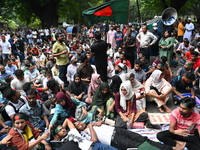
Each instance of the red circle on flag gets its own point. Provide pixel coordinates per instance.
(107, 11)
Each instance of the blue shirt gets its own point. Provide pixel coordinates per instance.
(7, 73)
(33, 74)
(35, 114)
(12, 68)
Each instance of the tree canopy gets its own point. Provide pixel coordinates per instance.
(50, 12)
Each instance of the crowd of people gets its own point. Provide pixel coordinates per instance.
(87, 89)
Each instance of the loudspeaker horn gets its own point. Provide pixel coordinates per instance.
(169, 16)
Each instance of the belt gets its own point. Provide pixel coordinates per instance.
(92, 145)
(113, 142)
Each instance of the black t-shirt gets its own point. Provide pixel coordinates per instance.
(182, 88)
(100, 48)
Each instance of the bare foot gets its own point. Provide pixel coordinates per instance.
(179, 145)
(160, 109)
(167, 109)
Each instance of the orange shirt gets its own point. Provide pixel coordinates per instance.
(180, 29)
(188, 55)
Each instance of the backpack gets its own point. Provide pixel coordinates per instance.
(4, 113)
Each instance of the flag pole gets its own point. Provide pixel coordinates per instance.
(128, 11)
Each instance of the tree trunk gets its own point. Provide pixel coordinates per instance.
(47, 12)
(138, 7)
(177, 4)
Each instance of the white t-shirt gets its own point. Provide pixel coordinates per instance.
(18, 85)
(46, 32)
(34, 33)
(5, 46)
(104, 133)
(41, 31)
(85, 144)
(55, 78)
(10, 110)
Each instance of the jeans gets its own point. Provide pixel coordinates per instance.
(100, 146)
(62, 73)
(146, 52)
(21, 55)
(8, 123)
(192, 141)
(119, 44)
(4, 57)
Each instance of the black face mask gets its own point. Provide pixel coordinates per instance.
(116, 71)
(32, 103)
(3, 72)
(51, 59)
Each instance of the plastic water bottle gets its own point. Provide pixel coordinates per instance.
(128, 124)
(47, 130)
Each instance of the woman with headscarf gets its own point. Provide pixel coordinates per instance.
(103, 102)
(93, 86)
(23, 135)
(125, 106)
(139, 91)
(115, 84)
(78, 88)
(66, 107)
(157, 88)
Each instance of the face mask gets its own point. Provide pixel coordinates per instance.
(77, 83)
(3, 72)
(32, 103)
(13, 59)
(98, 82)
(51, 59)
(155, 28)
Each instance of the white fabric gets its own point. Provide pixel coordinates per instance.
(147, 38)
(155, 79)
(188, 32)
(46, 32)
(123, 98)
(104, 133)
(55, 78)
(85, 144)
(18, 85)
(10, 110)
(5, 46)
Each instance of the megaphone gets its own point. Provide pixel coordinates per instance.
(169, 16)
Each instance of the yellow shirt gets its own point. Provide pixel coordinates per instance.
(180, 29)
(58, 48)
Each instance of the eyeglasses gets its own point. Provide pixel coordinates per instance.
(61, 36)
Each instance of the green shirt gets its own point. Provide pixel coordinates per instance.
(58, 48)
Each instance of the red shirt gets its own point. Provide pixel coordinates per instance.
(127, 63)
(17, 139)
(188, 55)
(35, 51)
(196, 63)
(184, 123)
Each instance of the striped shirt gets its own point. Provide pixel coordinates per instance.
(184, 123)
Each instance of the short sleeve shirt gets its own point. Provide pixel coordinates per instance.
(184, 123)
(176, 82)
(58, 48)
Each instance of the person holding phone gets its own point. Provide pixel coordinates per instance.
(184, 126)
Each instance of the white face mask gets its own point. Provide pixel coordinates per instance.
(155, 28)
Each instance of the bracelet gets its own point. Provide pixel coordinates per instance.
(46, 144)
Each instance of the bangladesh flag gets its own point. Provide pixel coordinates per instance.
(114, 10)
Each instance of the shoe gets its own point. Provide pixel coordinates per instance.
(152, 126)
